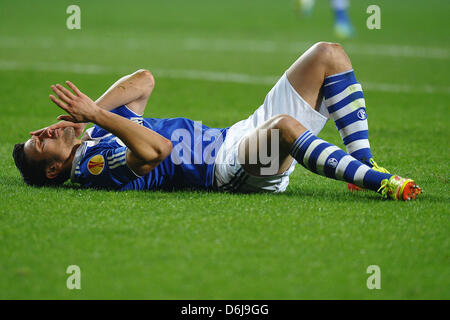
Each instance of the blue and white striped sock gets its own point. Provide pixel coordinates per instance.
(328, 160)
(345, 102)
(340, 10)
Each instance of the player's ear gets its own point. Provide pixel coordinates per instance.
(53, 169)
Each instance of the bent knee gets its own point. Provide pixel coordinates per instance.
(290, 128)
(327, 49)
(283, 121)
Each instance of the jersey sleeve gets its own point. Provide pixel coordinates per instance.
(123, 111)
(104, 168)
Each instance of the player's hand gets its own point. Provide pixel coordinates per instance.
(78, 105)
(50, 130)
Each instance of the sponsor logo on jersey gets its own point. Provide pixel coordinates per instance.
(96, 164)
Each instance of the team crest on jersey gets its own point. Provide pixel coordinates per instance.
(96, 164)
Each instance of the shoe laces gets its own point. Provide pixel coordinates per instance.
(384, 188)
(376, 167)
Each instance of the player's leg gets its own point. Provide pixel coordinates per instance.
(249, 151)
(307, 73)
(342, 24)
(326, 71)
(316, 155)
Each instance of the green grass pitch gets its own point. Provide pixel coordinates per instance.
(313, 242)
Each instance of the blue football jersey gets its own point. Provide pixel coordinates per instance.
(100, 161)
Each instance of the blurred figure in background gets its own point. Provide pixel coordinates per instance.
(342, 24)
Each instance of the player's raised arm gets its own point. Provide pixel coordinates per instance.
(133, 90)
(146, 148)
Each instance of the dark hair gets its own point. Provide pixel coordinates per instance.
(33, 172)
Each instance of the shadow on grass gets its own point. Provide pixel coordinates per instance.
(299, 192)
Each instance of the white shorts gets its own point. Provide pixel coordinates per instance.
(282, 99)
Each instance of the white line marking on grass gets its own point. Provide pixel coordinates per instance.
(217, 76)
(352, 49)
(223, 45)
(201, 75)
(267, 46)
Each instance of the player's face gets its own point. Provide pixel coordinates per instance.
(56, 145)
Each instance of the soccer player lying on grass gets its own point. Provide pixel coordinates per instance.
(124, 151)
